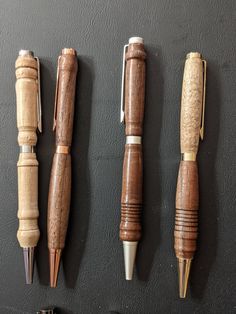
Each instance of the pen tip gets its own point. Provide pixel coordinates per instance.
(184, 269)
(54, 261)
(130, 249)
(29, 264)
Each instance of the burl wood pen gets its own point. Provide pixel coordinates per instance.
(60, 181)
(187, 194)
(132, 113)
(28, 120)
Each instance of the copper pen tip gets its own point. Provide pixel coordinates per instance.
(68, 51)
(54, 261)
(29, 264)
(184, 269)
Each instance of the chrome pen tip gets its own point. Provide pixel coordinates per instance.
(54, 262)
(184, 265)
(130, 249)
(29, 264)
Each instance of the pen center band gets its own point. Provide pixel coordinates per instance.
(61, 149)
(27, 149)
(133, 139)
(189, 156)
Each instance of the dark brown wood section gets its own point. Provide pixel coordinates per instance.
(60, 181)
(186, 218)
(65, 102)
(134, 89)
(59, 200)
(131, 200)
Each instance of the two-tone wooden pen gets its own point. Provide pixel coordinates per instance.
(28, 102)
(60, 182)
(132, 113)
(187, 194)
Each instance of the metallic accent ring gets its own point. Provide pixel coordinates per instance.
(61, 149)
(189, 156)
(133, 139)
(26, 149)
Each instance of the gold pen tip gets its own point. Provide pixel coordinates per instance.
(183, 269)
(54, 262)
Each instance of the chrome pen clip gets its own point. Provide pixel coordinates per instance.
(56, 97)
(122, 111)
(39, 104)
(203, 100)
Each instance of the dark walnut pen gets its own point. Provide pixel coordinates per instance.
(60, 182)
(133, 92)
(187, 194)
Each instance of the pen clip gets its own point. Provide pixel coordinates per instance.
(56, 97)
(39, 104)
(122, 109)
(203, 100)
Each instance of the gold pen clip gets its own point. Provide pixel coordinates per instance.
(39, 104)
(203, 100)
(56, 97)
(122, 109)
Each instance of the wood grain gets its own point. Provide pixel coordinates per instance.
(60, 181)
(186, 217)
(134, 89)
(131, 199)
(59, 200)
(26, 100)
(191, 104)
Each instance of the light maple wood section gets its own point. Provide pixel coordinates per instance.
(131, 199)
(191, 103)
(186, 217)
(26, 99)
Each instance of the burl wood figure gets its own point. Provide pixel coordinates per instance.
(28, 120)
(131, 199)
(60, 182)
(187, 194)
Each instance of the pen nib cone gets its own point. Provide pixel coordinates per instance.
(130, 249)
(184, 269)
(55, 257)
(29, 264)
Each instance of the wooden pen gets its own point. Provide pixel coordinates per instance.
(187, 194)
(60, 182)
(132, 113)
(28, 103)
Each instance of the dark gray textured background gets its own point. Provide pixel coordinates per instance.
(92, 275)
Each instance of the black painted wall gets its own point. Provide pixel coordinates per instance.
(92, 274)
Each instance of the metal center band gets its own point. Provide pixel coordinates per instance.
(189, 156)
(63, 149)
(133, 139)
(26, 149)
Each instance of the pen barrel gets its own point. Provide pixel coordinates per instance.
(191, 103)
(27, 121)
(67, 70)
(131, 199)
(60, 181)
(186, 218)
(134, 89)
(59, 200)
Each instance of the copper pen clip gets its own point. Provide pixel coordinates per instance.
(122, 107)
(56, 97)
(39, 104)
(203, 100)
